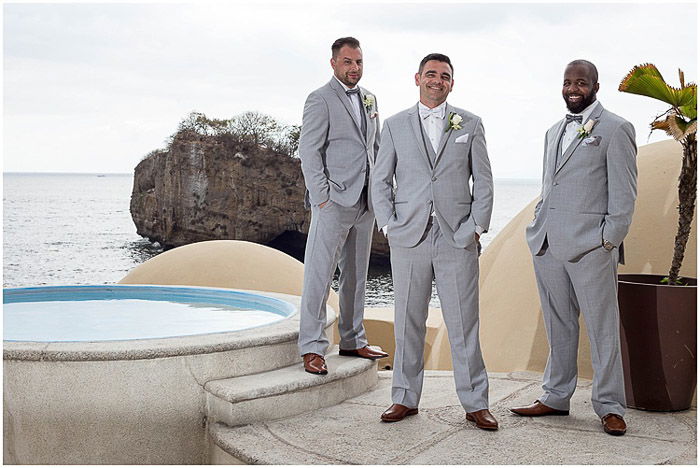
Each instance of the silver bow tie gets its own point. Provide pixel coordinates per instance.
(574, 118)
(352, 91)
(435, 112)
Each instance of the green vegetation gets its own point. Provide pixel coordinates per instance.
(680, 122)
(249, 128)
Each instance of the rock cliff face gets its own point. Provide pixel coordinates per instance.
(213, 187)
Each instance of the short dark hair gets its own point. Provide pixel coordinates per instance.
(439, 58)
(591, 68)
(344, 41)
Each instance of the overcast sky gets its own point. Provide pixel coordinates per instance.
(93, 87)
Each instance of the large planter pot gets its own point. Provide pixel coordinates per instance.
(658, 328)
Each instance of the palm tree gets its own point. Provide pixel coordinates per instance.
(680, 122)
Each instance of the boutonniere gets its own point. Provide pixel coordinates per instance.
(453, 122)
(586, 129)
(368, 101)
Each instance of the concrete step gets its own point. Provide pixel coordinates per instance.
(288, 391)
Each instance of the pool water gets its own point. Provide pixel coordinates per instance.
(106, 313)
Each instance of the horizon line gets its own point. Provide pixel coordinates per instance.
(131, 174)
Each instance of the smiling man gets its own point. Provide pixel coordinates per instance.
(433, 221)
(589, 186)
(338, 142)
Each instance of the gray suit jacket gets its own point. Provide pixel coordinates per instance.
(333, 151)
(423, 185)
(587, 195)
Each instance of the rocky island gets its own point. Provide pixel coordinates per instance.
(227, 179)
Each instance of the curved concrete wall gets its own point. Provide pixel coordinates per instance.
(512, 332)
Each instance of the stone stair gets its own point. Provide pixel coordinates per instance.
(282, 393)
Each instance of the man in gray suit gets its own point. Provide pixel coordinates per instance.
(433, 220)
(338, 142)
(589, 187)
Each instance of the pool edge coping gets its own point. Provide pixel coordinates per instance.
(278, 332)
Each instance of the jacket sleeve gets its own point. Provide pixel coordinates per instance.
(482, 186)
(312, 143)
(383, 178)
(621, 161)
(538, 206)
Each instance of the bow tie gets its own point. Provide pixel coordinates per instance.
(436, 112)
(352, 91)
(573, 118)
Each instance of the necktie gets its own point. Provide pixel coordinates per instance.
(573, 118)
(352, 91)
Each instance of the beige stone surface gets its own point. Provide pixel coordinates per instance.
(352, 433)
(512, 331)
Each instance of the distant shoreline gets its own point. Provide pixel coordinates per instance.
(109, 174)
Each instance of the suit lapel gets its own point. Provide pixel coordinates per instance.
(553, 148)
(346, 103)
(445, 134)
(414, 119)
(577, 141)
(365, 110)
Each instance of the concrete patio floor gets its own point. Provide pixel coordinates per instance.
(351, 432)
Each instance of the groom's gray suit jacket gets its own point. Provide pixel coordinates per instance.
(427, 181)
(588, 192)
(333, 151)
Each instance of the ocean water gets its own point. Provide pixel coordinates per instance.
(73, 229)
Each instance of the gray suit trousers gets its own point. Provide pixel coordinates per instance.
(588, 285)
(456, 274)
(338, 236)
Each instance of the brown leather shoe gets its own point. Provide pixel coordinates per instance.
(366, 353)
(613, 424)
(315, 364)
(397, 412)
(483, 419)
(538, 409)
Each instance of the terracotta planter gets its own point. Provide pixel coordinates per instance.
(658, 328)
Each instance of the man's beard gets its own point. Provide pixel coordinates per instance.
(578, 107)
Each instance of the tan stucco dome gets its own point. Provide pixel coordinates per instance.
(512, 332)
(225, 264)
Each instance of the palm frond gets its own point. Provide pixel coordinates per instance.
(646, 80)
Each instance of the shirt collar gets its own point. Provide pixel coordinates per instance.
(587, 111)
(345, 88)
(441, 108)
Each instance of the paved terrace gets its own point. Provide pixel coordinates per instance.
(351, 432)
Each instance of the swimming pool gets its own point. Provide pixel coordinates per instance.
(120, 312)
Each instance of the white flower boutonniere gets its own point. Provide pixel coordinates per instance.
(453, 122)
(368, 101)
(587, 128)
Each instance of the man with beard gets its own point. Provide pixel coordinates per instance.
(338, 142)
(433, 220)
(589, 187)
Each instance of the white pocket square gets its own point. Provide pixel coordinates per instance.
(462, 139)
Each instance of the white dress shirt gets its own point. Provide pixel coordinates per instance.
(571, 129)
(433, 122)
(354, 101)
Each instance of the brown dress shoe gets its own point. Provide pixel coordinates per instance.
(613, 424)
(366, 353)
(397, 412)
(538, 409)
(315, 364)
(483, 419)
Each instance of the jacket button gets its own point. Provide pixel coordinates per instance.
(434, 179)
